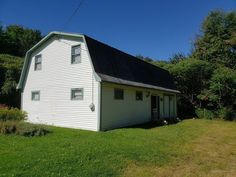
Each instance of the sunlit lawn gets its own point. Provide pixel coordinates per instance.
(190, 148)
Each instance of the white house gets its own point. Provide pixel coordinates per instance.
(72, 80)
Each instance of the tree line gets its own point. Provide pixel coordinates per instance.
(206, 77)
(15, 41)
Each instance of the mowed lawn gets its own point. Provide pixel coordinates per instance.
(190, 148)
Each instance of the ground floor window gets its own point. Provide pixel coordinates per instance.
(118, 94)
(77, 94)
(35, 95)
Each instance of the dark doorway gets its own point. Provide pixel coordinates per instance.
(155, 107)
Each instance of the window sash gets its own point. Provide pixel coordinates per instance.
(118, 94)
(38, 62)
(76, 54)
(35, 95)
(77, 94)
(139, 95)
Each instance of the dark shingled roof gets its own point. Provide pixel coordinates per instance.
(113, 65)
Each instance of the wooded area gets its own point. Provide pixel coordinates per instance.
(206, 77)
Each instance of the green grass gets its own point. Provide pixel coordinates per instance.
(190, 148)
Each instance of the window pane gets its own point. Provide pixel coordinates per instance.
(139, 95)
(75, 59)
(77, 94)
(35, 96)
(38, 59)
(38, 66)
(119, 94)
(38, 62)
(76, 50)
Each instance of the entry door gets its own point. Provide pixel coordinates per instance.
(169, 106)
(155, 107)
(166, 106)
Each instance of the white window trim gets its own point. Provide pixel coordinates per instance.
(74, 89)
(35, 63)
(79, 45)
(35, 91)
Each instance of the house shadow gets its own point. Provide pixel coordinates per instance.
(154, 124)
(148, 125)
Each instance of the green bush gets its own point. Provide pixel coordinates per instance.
(12, 114)
(8, 127)
(22, 128)
(204, 114)
(27, 129)
(226, 113)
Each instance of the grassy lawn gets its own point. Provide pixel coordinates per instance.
(190, 148)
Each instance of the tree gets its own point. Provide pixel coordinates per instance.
(191, 77)
(222, 87)
(10, 69)
(177, 57)
(214, 45)
(147, 59)
(18, 40)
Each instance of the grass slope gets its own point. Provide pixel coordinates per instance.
(190, 148)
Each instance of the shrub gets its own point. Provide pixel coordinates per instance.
(12, 114)
(226, 113)
(27, 129)
(22, 128)
(8, 127)
(204, 113)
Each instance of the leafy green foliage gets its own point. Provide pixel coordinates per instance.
(206, 78)
(226, 113)
(10, 69)
(22, 128)
(223, 87)
(177, 58)
(216, 42)
(12, 114)
(204, 113)
(17, 40)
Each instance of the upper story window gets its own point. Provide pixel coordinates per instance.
(35, 95)
(38, 62)
(76, 54)
(139, 95)
(77, 94)
(118, 94)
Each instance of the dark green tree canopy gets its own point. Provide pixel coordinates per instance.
(216, 44)
(17, 40)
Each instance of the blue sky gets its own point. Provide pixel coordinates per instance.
(154, 28)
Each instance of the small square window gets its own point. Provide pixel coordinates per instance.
(38, 62)
(77, 94)
(118, 94)
(139, 95)
(76, 54)
(35, 96)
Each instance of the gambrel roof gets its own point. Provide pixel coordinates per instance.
(115, 66)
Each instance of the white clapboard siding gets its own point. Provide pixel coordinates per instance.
(119, 113)
(55, 81)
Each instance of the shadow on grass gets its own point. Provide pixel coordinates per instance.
(154, 124)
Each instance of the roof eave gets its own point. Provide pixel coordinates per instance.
(110, 79)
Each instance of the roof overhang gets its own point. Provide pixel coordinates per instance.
(106, 78)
